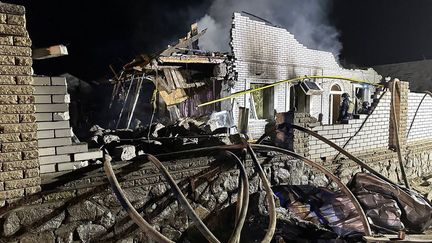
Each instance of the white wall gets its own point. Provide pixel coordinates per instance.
(422, 125)
(266, 54)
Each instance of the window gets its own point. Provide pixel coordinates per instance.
(262, 102)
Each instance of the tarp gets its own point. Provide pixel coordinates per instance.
(390, 206)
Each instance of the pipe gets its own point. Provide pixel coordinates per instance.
(124, 202)
(269, 194)
(183, 201)
(334, 178)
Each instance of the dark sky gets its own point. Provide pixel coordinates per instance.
(99, 33)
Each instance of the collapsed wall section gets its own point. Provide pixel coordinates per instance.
(19, 164)
(57, 151)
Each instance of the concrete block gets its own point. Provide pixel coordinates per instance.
(88, 155)
(53, 159)
(41, 117)
(71, 165)
(72, 149)
(52, 107)
(59, 133)
(52, 125)
(42, 99)
(45, 134)
(47, 151)
(58, 80)
(61, 116)
(61, 98)
(47, 168)
(50, 90)
(51, 142)
(41, 81)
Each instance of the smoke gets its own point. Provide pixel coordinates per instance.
(308, 20)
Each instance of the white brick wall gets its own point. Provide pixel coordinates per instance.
(374, 134)
(422, 126)
(266, 54)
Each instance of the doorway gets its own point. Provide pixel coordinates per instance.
(334, 103)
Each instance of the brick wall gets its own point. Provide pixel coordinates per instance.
(57, 152)
(265, 54)
(19, 164)
(374, 133)
(421, 127)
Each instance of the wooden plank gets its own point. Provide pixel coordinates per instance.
(176, 79)
(169, 79)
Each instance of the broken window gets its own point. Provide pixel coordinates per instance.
(262, 102)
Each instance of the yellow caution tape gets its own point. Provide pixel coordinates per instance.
(286, 81)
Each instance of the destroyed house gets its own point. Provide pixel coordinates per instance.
(53, 188)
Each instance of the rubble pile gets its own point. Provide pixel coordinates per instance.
(186, 133)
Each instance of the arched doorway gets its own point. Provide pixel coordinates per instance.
(334, 104)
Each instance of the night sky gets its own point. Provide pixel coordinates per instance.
(99, 33)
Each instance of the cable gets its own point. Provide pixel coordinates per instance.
(124, 202)
(334, 178)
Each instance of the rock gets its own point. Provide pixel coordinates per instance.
(127, 240)
(107, 220)
(231, 183)
(110, 138)
(222, 197)
(89, 232)
(32, 216)
(85, 210)
(158, 190)
(282, 176)
(11, 224)
(125, 152)
(65, 233)
(46, 236)
(171, 233)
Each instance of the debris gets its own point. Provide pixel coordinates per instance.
(50, 52)
(125, 152)
(387, 204)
